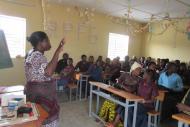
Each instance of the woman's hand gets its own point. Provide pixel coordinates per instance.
(50, 69)
(61, 45)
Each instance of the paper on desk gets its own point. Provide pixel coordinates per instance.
(6, 98)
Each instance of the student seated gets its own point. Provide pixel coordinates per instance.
(82, 65)
(152, 66)
(148, 90)
(126, 65)
(129, 82)
(67, 74)
(107, 70)
(95, 72)
(158, 61)
(147, 61)
(177, 62)
(184, 106)
(162, 65)
(90, 60)
(100, 59)
(183, 72)
(107, 65)
(62, 63)
(142, 61)
(115, 70)
(171, 82)
(132, 60)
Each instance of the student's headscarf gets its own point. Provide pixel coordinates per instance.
(135, 66)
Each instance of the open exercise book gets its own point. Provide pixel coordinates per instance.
(7, 121)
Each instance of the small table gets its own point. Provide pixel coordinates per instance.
(183, 119)
(19, 90)
(37, 123)
(121, 93)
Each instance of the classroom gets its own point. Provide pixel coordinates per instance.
(94, 63)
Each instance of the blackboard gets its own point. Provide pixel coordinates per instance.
(5, 59)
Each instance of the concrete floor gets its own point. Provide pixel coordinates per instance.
(75, 114)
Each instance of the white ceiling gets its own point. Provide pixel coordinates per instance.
(141, 9)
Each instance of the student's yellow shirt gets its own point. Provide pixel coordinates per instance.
(185, 99)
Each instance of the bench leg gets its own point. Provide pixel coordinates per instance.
(86, 88)
(186, 125)
(90, 101)
(97, 102)
(70, 94)
(180, 124)
(155, 121)
(80, 87)
(135, 114)
(149, 120)
(76, 93)
(126, 112)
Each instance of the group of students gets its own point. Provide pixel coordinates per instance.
(142, 77)
(97, 70)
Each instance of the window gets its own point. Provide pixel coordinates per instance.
(118, 46)
(15, 33)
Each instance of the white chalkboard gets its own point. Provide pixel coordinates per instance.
(5, 59)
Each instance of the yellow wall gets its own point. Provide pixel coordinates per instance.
(75, 47)
(169, 45)
(33, 14)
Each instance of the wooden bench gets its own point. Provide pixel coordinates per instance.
(183, 119)
(72, 87)
(80, 78)
(154, 116)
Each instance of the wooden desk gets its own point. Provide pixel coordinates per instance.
(118, 92)
(127, 96)
(183, 119)
(10, 89)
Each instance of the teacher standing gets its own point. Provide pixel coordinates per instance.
(40, 87)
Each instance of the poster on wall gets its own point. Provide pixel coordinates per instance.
(67, 27)
(51, 28)
(93, 36)
(81, 28)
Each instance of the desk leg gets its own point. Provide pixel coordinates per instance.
(97, 102)
(86, 89)
(186, 125)
(90, 101)
(135, 113)
(80, 92)
(180, 124)
(126, 112)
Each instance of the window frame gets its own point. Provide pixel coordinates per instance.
(21, 37)
(109, 41)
